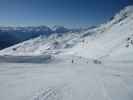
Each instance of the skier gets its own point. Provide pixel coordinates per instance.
(127, 45)
(72, 61)
(132, 42)
(97, 61)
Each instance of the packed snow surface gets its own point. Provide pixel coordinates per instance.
(64, 80)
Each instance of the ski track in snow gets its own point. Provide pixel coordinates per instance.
(50, 93)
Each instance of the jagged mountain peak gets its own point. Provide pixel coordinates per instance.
(60, 29)
(57, 26)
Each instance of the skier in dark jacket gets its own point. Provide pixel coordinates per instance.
(72, 61)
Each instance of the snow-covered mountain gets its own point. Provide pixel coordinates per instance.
(108, 40)
(69, 74)
(42, 44)
(111, 39)
(12, 35)
(60, 29)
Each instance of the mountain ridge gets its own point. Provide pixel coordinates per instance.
(98, 42)
(16, 35)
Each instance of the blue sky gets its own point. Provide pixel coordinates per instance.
(69, 13)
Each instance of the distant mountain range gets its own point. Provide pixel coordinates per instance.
(13, 35)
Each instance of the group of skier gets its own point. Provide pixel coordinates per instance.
(95, 61)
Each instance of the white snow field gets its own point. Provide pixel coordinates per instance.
(96, 64)
(82, 80)
(63, 80)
